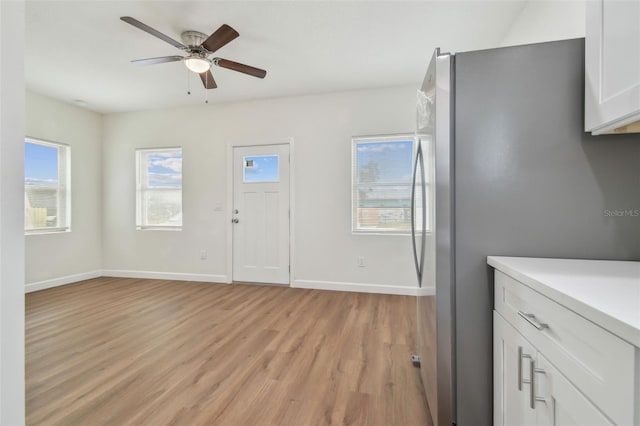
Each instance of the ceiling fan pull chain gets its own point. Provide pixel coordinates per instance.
(206, 92)
(188, 83)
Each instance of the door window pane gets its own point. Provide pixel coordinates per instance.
(261, 168)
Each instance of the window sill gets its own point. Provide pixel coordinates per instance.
(386, 234)
(47, 231)
(158, 228)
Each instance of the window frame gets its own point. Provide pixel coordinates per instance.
(64, 175)
(141, 172)
(387, 138)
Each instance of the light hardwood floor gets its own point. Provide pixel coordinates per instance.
(127, 351)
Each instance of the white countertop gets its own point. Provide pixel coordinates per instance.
(603, 291)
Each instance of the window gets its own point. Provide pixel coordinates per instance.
(159, 188)
(47, 188)
(382, 177)
(261, 168)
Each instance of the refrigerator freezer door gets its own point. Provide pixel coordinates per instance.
(426, 301)
(444, 230)
(434, 305)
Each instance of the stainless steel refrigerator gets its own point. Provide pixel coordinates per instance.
(504, 168)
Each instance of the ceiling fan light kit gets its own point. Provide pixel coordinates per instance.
(197, 64)
(198, 47)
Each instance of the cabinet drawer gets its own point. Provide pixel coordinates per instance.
(597, 362)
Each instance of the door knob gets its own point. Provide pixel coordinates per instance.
(235, 220)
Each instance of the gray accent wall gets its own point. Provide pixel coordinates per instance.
(529, 182)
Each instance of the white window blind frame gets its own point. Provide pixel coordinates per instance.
(158, 204)
(48, 206)
(381, 190)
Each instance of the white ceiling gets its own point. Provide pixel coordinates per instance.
(81, 49)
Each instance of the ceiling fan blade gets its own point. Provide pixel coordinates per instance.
(236, 66)
(219, 38)
(153, 32)
(207, 80)
(160, 60)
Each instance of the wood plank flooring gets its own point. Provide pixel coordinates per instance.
(127, 351)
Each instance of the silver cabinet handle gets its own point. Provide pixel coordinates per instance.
(533, 397)
(531, 319)
(521, 355)
(235, 220)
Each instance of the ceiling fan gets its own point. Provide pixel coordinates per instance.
(198, 47)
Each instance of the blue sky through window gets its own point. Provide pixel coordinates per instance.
(164, 169)
(261, 168)
(40, 164)
(386, 162)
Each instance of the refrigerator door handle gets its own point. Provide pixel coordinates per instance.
(413, 216)
(423, 240)
(418, 163)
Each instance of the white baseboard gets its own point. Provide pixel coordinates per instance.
(180, 276)
(426, 291)
(55, 282)
(356, 287)
(177, 276)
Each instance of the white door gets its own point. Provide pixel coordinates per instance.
(261, 214)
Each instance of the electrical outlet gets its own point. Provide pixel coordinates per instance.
(361, 262)
(203, 254)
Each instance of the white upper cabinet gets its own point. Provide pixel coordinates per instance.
(612, 61)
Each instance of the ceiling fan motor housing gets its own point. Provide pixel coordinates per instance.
(193, 38)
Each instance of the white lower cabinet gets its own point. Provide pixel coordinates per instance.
(529, 390)
(511, 375)
(560, 358)
(558, 402)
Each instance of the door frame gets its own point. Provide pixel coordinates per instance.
(229, 201)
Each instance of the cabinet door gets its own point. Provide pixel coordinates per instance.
(612, 64)
(559, 403)
(512, 357)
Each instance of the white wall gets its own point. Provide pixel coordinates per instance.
(541, 21)
(326, 251)
(70, 256)
(11, 213)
